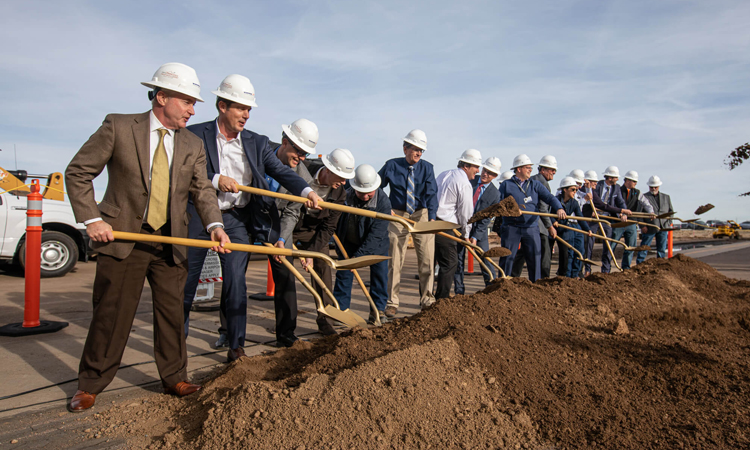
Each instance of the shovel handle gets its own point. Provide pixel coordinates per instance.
(320, 282)
(322, 204)
(290, 267)
(123, 235)
(609, 248)
(469, 246)
(586, 219)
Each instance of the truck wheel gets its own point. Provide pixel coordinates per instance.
(59, 254)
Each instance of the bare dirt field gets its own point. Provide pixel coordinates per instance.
(655, 357)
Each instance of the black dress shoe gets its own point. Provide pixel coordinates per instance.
(235, 354)
(286, 341)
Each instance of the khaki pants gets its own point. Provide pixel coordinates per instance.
(425, 247)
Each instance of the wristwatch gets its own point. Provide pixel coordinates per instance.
(211, 230)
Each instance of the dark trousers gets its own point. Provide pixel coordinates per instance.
(118, 285)
(458, 278)
(233, 303)
(588, 250)
(606, 256)
(446, 257)
(545, 258)
(563, 261)
(529, 238)
(630, 233)
(285, 294)
(378, 285)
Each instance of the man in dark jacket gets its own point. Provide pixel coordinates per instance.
(310, 229)
(635, 202)
(236, 156)
(363, 236)
(524, 229)
(547, 169)
(611, 203)
(485, 194)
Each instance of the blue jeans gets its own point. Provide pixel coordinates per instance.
(378, 285)
(631, 233)
(576, 240)
(661, 245)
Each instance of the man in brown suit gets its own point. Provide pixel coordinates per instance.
(152, 165)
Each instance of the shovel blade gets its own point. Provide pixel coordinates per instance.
(620, 224)
(356, 263)
(347, 317)
(704, 209)
(497, 251)
(435, 226)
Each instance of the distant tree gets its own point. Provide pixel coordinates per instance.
(737, 157)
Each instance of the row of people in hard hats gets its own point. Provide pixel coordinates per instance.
(163, 181)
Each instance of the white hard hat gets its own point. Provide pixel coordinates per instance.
(340, 162)
(577, 175)
(612, 171)
(506, 176)
(631, 175)
(548, 161)
(493, 164)
(654, 181)
(303, 133)
(568, 182)
(521, 160)
(238, 89)
(176, 77)
(471, 156)
(417, 138)
(591, 175)
(366, 179)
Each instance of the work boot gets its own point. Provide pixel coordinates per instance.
(324, 326)
(383, 318)
(390, 311)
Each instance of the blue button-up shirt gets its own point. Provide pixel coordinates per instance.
(395, 173)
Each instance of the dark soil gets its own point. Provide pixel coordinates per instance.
(704, 209)
(654, 357)
(505, 208)
(497, 251)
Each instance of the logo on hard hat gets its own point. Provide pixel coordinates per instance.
(313, 142)
(296, 128)
(3, 174)
(170, 75)
(226, 85)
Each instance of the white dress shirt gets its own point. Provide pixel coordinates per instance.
(233, 163)
(455, 202)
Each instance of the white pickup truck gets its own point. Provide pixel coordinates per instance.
(64, 241)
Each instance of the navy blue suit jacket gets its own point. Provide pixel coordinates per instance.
(616, 201)
(488, 198)
(262, 157)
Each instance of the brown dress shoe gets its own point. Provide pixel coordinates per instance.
(235, 354)
(182, 389)
(81, 401)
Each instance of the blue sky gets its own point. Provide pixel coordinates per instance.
(657, 87)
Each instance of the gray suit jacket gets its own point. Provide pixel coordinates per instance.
(661, 205)
(544, 222)
(121, 145)
(290, 211)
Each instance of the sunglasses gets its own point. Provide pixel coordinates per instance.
(301, 153)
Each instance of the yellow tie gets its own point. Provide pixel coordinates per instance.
(159, 198)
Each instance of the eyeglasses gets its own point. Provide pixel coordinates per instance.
(301, 153)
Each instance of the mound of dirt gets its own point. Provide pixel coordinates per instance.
(654, 357)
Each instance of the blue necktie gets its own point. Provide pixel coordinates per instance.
(411, 202)
(273, 185)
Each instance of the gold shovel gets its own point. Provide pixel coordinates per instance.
(580, 256)
(421, 227)
(346, 317)
(349, 264)
(630, 249)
